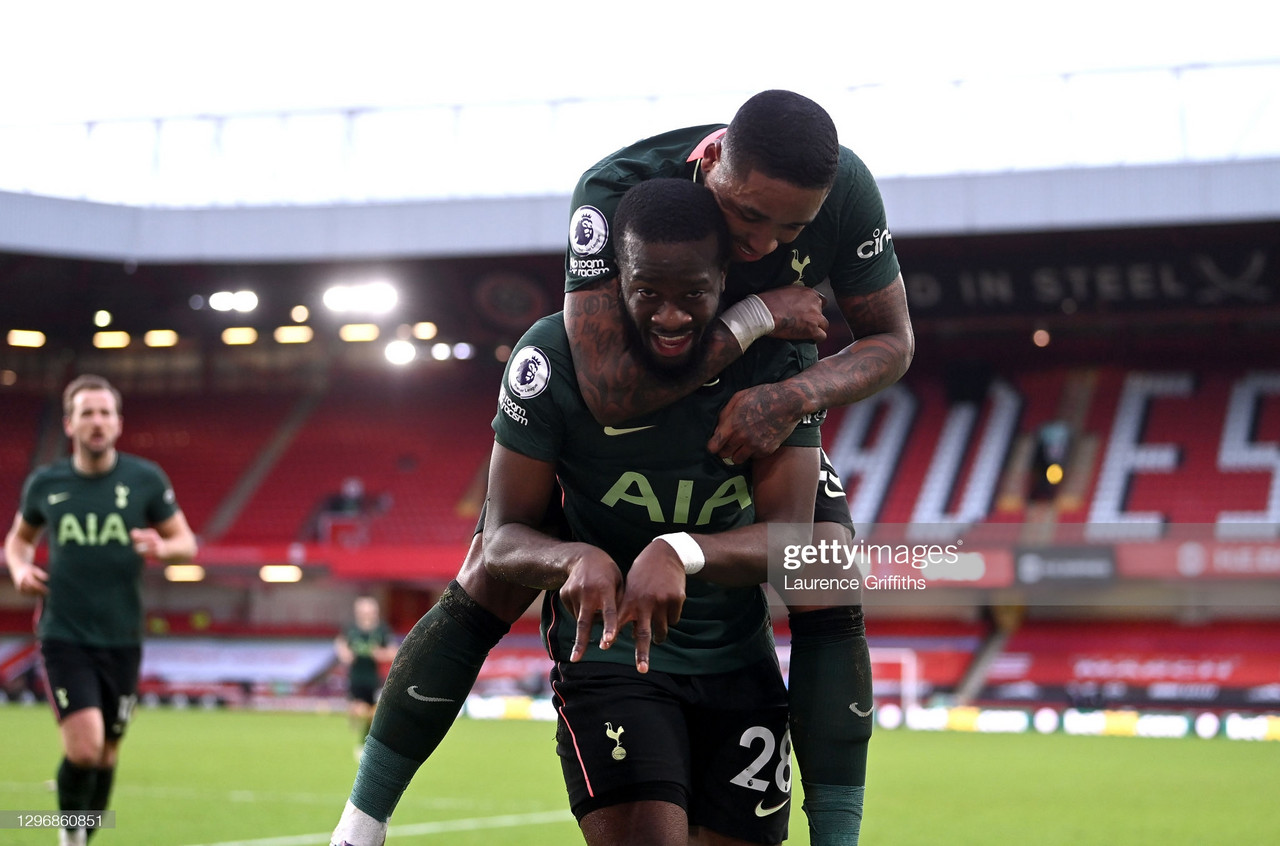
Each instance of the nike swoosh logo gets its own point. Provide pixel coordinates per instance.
(866, 713)
(54, 499)
(715, 381)
(412, 690)
(609, 430)
(762, 811)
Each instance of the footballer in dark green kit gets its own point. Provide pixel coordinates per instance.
(800, 208)
(623, 486)
(654, 617)
(95, 586)
(103, 513)
(362, 647)
(848, 241)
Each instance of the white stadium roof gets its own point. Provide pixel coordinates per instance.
(279, 130)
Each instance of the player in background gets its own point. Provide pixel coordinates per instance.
(801, 209)
(362, 648)
(104, 513)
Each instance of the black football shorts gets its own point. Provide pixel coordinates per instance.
(831, 504)
(81, 677)
(717, 745)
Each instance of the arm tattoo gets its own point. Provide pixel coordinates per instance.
(881, 352)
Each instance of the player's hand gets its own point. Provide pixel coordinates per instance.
(593, 589)
(653, 598)
(754, 423)
(797, 313)
(146, 542)
(30, 580)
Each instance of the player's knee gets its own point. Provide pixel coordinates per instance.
(85, 753)
(700, 835)
(648, 822)
(84, 737)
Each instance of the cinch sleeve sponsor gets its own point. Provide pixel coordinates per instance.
(866, 261)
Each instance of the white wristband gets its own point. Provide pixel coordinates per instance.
(687, 550)
(748, 320)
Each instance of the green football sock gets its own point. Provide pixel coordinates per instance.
(831, 706)
(434, 670)
(381, 780)
(834, 812)
(830, 695)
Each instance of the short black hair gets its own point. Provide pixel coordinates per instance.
(784, 135)
(670, 211)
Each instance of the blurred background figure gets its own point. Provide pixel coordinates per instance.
(344, 516)
(363, 647)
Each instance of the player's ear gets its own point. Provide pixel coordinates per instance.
(712, 154)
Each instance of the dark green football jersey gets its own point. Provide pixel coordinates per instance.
(95, 577)
(848, 242)
(625, 485)
(364, 667)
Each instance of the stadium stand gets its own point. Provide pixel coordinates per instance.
(423, 442)
(1161, 374)
(420, 444)
(207, 442)
(20, 426)
(1151, 663)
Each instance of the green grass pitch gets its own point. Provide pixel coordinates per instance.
(266, 779)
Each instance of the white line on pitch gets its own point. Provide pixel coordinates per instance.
(411, 829)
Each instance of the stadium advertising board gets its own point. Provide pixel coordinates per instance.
(1195, 560)
(1088, 564)
(1053, 273)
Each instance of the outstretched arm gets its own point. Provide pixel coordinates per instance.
(618, 387)
(757, 420)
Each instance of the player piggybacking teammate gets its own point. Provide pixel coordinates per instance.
(800, 208)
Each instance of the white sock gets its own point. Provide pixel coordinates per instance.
(356, 828)
(72, 837)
